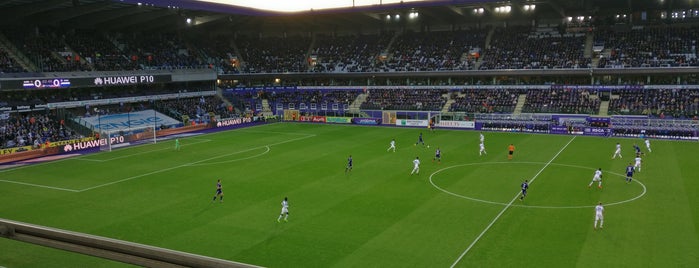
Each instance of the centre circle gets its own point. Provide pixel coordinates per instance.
(433, 175)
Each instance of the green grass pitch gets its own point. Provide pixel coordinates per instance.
(462, 212)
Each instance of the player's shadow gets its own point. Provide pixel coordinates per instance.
(208, 206)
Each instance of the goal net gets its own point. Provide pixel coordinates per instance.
(124, 137)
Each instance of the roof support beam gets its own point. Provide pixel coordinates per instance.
(456, 10)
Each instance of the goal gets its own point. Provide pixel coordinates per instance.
(124, 137)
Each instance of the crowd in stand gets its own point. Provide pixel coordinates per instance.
(46, 49)
(435, 51)
(655, 129)
(8, 64)
(274, 54)
(562, 100)
(661, 103)
(32, 129)
(295, 99)
(506, 122)
(245, 100)
(160, 51)
(98, 51)
(341, 96)
(648, 47)
(198, 109)
(350, 53)
(405, 99)
(516, 126)
(484, 100)
(512, 47)
(523, 47)
(295, 96)
(55, 51)
(217, 51)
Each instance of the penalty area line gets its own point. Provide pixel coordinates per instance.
(140, 153)
(506, 207)
(196, 163)
(41, 186)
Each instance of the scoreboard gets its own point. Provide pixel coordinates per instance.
(46, 83)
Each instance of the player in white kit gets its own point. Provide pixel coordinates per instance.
(482, 151)
(596, 178)
(599, 215)
(285, 210)
(416, 166)
(617, 151)
(637, 165)
(393, 146)
(648, 145)
(482, 137)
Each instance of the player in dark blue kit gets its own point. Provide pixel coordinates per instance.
(525, 186)
(219, 191)
(419, 140)
(437, 156)
(637, 149)
(629, 172)
(349, 164)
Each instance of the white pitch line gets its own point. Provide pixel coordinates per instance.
(643, 186)
(274, 132)
(41, 186)
(198, 135)
(507, 206)
(40, 164)
(139, 153)
(191, 164)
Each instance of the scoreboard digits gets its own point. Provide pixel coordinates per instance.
(46, 83)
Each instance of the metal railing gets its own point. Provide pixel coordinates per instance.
(108, 248)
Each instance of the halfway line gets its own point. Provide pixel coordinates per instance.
(507, 206)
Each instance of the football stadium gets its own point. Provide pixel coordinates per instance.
(349, 133)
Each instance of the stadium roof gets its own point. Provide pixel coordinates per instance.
(306, 5)
(127, 15)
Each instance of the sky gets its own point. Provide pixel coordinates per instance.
(304, 5)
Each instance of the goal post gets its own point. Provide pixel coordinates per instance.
(110, 139)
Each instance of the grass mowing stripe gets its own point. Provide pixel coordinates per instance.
(193, 163)
(507, 206)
